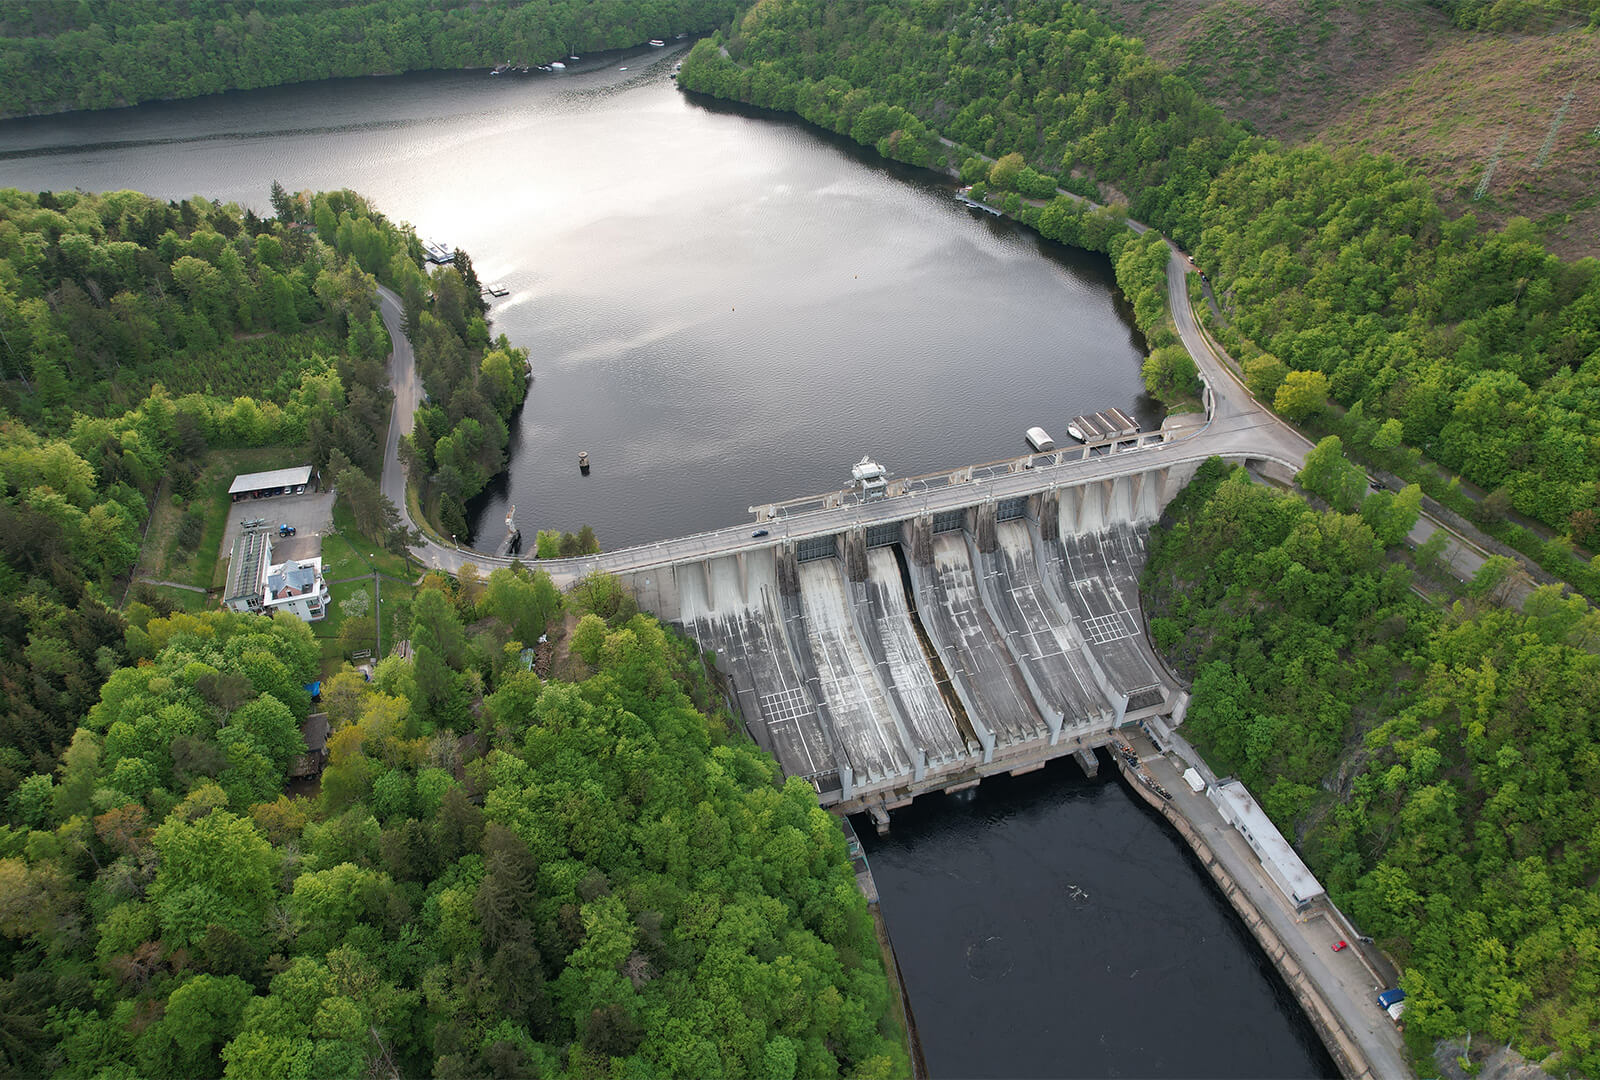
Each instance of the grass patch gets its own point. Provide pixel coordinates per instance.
(343, 559)
(164, 557)
(396, 601)
(183, 598)
(371, 555)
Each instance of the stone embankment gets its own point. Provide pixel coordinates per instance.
(1347, 1054)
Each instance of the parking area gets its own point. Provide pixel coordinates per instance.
(310, 514)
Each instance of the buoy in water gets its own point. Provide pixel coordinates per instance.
(583, 461)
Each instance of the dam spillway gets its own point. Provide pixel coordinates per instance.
(919, 655)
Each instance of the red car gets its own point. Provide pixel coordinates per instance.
(1340, 946)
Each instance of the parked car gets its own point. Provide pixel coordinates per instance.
(285, 530)
(1340, 946)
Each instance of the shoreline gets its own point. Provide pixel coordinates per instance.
(902, 1008)
(1346, 1052)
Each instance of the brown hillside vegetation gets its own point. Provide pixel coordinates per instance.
(1394, 76)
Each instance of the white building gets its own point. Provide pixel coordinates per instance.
(296, 586)
(1298, 885)
(256, 583)
(259, 485)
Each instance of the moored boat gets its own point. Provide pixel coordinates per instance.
(1085, 429)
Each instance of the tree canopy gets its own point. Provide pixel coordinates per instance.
(1438, 767)
(500, 873)
(63, 55)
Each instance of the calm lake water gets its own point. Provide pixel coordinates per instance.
(725, 309)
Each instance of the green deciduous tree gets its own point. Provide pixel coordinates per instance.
(1301, 395)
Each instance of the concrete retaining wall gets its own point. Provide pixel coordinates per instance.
(1346, 1053)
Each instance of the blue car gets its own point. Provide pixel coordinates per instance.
(758, 534)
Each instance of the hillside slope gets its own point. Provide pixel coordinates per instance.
(1398, 77)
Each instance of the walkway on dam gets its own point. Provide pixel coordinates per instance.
(1238, 428)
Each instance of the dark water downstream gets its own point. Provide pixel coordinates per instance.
(726, 309)
(1049, 925)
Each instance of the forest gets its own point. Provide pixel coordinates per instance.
(97, 54)
(135, 336)
(1516, 14)
(1437, 766)
(1484, 347)
(493, 874)
(499, 874)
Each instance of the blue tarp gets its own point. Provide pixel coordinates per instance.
(314, 688)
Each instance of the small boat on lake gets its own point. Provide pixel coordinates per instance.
(656, 43)
(557, 65)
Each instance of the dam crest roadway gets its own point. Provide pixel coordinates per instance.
(970, 622)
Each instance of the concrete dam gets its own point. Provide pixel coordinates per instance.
(926, 651)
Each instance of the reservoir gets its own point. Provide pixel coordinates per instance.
(721, 308)
(725, 309)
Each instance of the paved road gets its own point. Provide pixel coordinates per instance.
(1345, 981)
(1461, 555)
(1242, 428)
(407, 387)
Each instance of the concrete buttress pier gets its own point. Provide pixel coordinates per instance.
(1049, 515)
(922, 653)
(983, 526)
(918, 533)
(855, 554)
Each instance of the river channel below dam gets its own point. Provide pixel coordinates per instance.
(727, 308)
(1051, 925)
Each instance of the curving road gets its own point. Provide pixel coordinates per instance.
(1238, 427)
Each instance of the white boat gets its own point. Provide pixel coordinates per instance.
(557, 65)
(1040, 439)
(1084, 429)
(656, 43)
